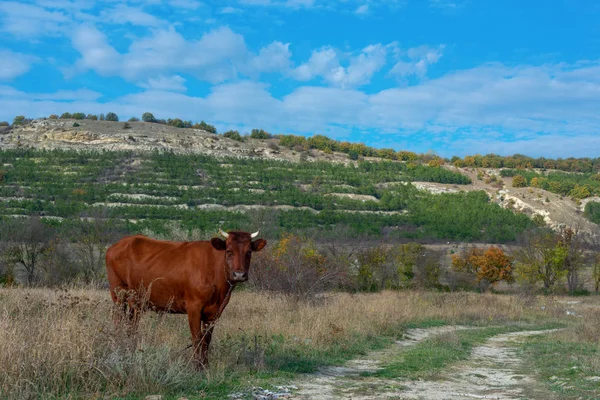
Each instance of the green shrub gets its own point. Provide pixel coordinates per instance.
(19, 120)
(260, 134)
(235, 135)
(111, 116)
(148, 117)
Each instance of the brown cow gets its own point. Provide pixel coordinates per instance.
(195, 278)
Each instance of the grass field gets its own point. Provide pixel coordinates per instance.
(61, 343)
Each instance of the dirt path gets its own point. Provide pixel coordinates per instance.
(490, 373)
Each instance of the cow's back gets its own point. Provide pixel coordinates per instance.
(171, 269)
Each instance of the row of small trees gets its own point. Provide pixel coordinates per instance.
(36, 253)
(543, 257)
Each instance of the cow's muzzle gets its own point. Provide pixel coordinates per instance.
(239, 276)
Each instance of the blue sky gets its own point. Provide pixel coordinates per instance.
(453, 76)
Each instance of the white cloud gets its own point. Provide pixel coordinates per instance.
(325, 62)
(273, 58)
(229, 10)
(169, 83)
(95, 51)
(419, 60)
(219, 55)
(14, 64)
(186, 4)
(280, 3)
(550, 108)
(363, 9)
(26, 20)
(123, 14)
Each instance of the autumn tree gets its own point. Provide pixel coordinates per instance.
(519, 181)
(489, 267)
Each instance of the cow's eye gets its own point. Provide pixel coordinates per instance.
(229, 253)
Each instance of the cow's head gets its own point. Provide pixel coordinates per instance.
(238, 247)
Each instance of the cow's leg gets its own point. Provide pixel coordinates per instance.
(195, 320)
(207, 330)
(118, 294)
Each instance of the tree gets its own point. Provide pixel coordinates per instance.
(148, 117)
(111, 116)
(489, 267)
(541, 258)
(519, 181)
(177, 122)
(574, 261)
(101, 117)
(53, 116)
(90, 238)
(66, 115)
(133, 119)
(234, 135)
(19, 120)
(596, 272)
(205, 127)
(92, 117)
(29, 245)
(78, 115)
(259, 134)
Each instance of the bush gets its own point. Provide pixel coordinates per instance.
(78, 115)
(75, 124)
(294, 266)
(111, 116)
(353, 155)
(4, 123)
(519, 181)
(126, 126)
(177, 122)
(205, 127)
(148, 117)
(66, 115)
(53, 116)
(234, 135)
(259, 134)
(133, 119)
(92, 117)
(19, 120)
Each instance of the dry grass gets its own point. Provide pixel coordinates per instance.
(55, 343)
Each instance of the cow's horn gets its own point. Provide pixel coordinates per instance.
(223, 233)
(255, 234)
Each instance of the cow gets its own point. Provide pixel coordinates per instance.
(194, 278)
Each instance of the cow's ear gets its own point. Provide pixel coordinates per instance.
(218, 244)
(258, 244)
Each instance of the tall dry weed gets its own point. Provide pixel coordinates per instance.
(59, 342)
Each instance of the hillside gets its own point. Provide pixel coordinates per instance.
(150, 174)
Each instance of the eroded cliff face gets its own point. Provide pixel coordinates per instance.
(142, 136)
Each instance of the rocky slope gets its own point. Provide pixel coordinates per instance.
(140, 136)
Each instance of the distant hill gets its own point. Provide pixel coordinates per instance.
(150, 174)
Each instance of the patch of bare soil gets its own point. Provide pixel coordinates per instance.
(492, 372)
